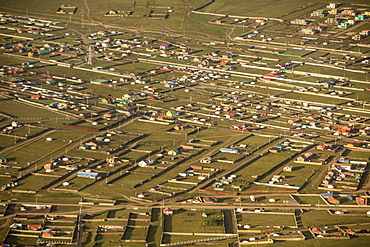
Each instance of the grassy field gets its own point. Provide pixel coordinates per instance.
(189, 221)
(322, 218)
(261, 165)
(23, 111)
(40, 148)
(15, 240)
(33, 183)
(77, 183)
(264, 220)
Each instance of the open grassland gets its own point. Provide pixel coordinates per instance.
(33, 183)
(20, 110)
(261, 165)
(40, 148)
(322, 218)
(189, 221)
(258, 220)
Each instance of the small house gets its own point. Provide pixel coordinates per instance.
(145, 162)
(206, 160)
(332, 200)
(48, 166)
(277, 178)
(360, 200)
(34, 227)
(88, 174)
(316, 230)
(203, 177)
(173, 152)
(163, 46)
(171, 113)
(229, 150)
(288, 168)
(2, 160)
(179, 127)
(111, 160)
(168, 211)
(226, 55)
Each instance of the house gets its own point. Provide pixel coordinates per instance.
(88, 174)
(99, 138)
(48, 166)
(343, 25)
(2, 160)
(230, 115)
(168, 211)
(173, 152)
(351, 22)
(360, 17)
(92, 144)
(218, 21)
(319, 13)
(302, 22)
(206, 160)
(350, 12)
(333, 11)
(145, 162)
(179, 127)
(107, 116)
(358, 37)
(288, 168)
(350, 231)
(207, 62)
(344, 166)
(111, 160)
(326, 147)
(16, 226)
(308, 31)
(106, 101)
(277, 178)
(163, 46)
(84, 147)
(332, 6)
(316, 230)
(171, 113)
(16, 124)
(209, 199)
(34, 227)
(365, 32)
(226, 55)
(48, 233)
(334, 21)
(332, 200)
(360, 200)
(32, 54)
(203, 177)
(275, 150)
(305, 157)
(229, 150)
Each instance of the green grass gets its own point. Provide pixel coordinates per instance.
(189, 221)
(263, 164)
(33, 183)
(20, 110)
(322, 218)
(130, 180)
(40, 148)
(262, 220)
